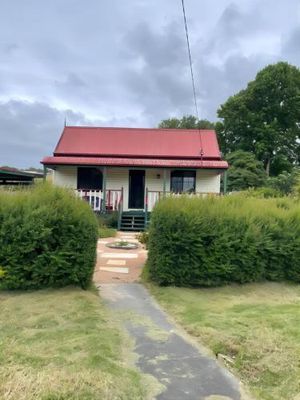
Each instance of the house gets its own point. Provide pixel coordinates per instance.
(129, 169)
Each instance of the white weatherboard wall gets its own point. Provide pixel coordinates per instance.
(155, 180)
(208, 181)
(118, 178)
(66, 176)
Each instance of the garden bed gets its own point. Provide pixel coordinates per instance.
(123, 245)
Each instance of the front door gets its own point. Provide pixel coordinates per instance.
(136, 189)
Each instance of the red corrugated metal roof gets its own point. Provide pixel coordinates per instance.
(137, 143)
(136, 162)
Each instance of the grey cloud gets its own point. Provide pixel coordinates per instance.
(30, 131)
(125, 63)
(158, 48)
(11, 48)
(71, 83)
(220, 82)
(291, 47)
(161, 80)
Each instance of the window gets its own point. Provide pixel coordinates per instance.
(183, 181)
(89, 178)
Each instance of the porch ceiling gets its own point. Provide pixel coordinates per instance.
(135, 162)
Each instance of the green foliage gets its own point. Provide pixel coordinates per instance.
(2, 273)
(186, 122)
(63, 344)
(109, 220)
(261, 193)
(105, 232)
(215, 241)
(296, 187)
(286, 182)
(264, 118)
(143, 237)
(245, 171)
(108, 224)
(47, 239)
(255, 325)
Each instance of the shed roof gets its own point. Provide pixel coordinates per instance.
(14, 176)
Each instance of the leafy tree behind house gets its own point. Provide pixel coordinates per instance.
(245, 171)
(264, 118)
(286, 183)
(186, 122)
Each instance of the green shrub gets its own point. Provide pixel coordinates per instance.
(47, 238)
(109, 220)
(143, 237)
(285, 182)
(215, 241)
(262, 192)
(105, 232)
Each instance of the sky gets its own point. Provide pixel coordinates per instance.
(125, 63)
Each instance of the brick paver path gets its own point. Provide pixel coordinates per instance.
(117, 265)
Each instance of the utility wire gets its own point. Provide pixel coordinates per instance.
(190, 58)
(192, 72)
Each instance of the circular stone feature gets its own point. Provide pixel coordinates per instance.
(122, 244)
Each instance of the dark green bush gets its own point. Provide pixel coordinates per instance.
(143, 237)
(47, 238)
(215, 241)
(109, 220)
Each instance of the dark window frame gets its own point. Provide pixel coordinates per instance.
(89, 178)
(183, 181)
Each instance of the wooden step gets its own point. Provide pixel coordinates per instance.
(133, 221)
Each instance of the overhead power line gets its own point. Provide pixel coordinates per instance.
(192, 72)
(190, 58)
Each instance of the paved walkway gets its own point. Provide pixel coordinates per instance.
(166, 354)
(183, 372)
(115, 265)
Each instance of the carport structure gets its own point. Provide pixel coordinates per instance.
(15, 177)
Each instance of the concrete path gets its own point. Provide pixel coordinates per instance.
(166, 353)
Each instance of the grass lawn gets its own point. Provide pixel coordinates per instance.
(61, 345)
(105, 232)
(258, 325)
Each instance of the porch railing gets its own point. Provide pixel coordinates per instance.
(114, 198)
(95, 199)
(153, 196)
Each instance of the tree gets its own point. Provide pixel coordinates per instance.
(286, 182)
(245, 171)
(186, 122)
(264, 118)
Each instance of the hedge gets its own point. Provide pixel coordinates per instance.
(216, 241)
(47, 239)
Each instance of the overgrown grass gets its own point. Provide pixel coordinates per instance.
(108, 224)
(61, 345)
(105, 232)
(255, 324)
